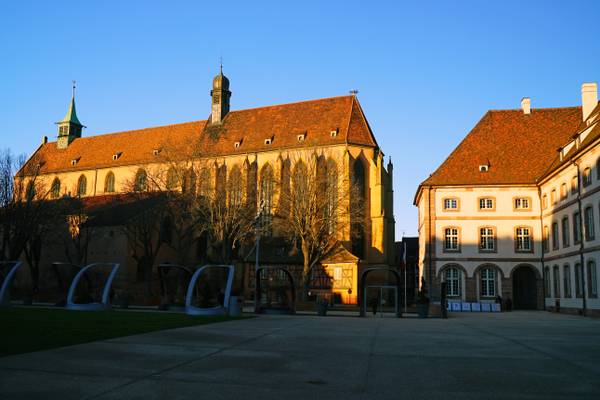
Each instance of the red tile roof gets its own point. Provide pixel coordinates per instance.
(315, 119)
(518, 147)
(590, 139)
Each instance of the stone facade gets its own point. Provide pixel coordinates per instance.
(496, 231)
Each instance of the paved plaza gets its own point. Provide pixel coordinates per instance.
(525, 355)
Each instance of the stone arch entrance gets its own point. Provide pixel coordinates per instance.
(524, 285)
(272, 274)
(362, 287)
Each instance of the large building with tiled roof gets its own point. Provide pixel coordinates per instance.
(252, 141)
(502, 215)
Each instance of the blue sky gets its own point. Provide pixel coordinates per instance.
(426, 71)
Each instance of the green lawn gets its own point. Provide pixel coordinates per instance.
(30, 329)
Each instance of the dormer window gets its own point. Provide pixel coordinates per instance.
(484, 168)
(116, 156)
(268, 141)
(237, 144)
(156, 152)
(334, 133)
(74, 161)
(301, 137)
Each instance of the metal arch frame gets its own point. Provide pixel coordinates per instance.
(164, 268)
(362, 292)
(64, 286)
(208, 311)
(105, 302)
(257, 287)
(7, 282)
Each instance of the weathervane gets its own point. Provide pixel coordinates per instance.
(354, 92)
(73, 89)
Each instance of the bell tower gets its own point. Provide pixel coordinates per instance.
(220, 98)
(69, 128)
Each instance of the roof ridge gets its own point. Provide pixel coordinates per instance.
(204, 120)
(533, 109)
(104, 135)
(292, 103)
(356, 103)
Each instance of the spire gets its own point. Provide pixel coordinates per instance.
(71, 116)
(69, 128)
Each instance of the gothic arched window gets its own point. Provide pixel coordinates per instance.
(266, 198)
(358, 203)
(141, 181)
(189, 182)
(299, 188)
(234, 187)
(205, 183)
(172, 179)
(109, 183)
(55, 189)
(82, 186)
(331, 192)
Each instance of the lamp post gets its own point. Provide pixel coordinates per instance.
(256, 261)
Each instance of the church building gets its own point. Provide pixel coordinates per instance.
(253, 146)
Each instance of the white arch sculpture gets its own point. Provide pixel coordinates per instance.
(7, 282)
(221, 309)
(105, 302)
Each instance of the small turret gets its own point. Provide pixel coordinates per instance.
(220, 98)
(69, 128)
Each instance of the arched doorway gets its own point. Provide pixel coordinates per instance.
(524, 283)
(275, 291)
(362, 290)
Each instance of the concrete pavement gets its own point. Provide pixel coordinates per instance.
(529, 355)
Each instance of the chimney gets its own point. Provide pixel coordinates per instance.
(526, 105)
(589, 98)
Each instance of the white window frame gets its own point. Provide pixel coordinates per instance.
(568, 293)
(487, 239)
(488, 282)
(486, 203)
(556, 281)
(592, 276)
(588, 225)
(522, 203)
(451, 239)
(453, 279)
(523, 238)
(451, 204)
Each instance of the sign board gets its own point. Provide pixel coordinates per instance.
(475, 307)
(485, 307)
(496, 307)
(455, 306)
(466, 306)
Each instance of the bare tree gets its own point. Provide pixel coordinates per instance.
(144, 211)
(223, 212)
(80, 233)
(178, 183)
(318, 207)
(25, 213)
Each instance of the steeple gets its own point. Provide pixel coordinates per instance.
(69, 128)
(220, 98)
